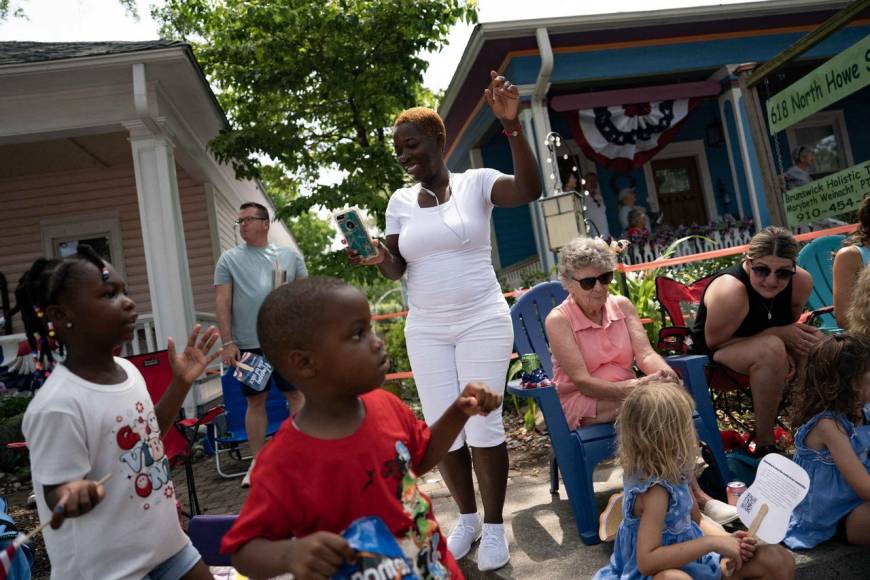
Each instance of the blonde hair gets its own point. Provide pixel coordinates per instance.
(773, 241)
(425, 119)
(859, 311)
(656, 434)
(583, 252)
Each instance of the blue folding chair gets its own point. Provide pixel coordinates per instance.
(206, 533)
(228, 431)
(817, 258)
(576, 453)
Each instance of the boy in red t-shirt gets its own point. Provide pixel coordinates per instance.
(354, 450)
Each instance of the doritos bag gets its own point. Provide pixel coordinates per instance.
(253, 370)
(379, 556)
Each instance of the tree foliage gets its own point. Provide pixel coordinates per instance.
(314, 85)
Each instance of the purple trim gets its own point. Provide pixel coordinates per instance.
(636, 95)
(493, 52)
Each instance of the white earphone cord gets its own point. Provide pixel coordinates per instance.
(441, 213)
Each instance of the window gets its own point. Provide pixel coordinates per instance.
(61, 237)
(825, 134)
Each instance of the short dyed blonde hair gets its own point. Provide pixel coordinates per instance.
(655, 432)
(425, 119)
(859, 310)
(581, 253)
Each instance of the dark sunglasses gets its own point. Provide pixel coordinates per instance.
(589, 283)
(781, 274)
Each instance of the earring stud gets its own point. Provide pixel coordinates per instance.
(69, 324)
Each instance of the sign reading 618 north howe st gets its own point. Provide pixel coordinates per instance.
(837, 78)
(829, 196)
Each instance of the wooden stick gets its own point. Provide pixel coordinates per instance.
(243, 366)
(726, 564)
(44, 524)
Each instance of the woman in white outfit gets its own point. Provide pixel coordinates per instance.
(459, 327)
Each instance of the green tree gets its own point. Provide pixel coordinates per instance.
(314, 85)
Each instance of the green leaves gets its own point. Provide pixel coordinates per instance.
(314, 84)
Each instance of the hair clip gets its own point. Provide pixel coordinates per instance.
(39, 313)
(105, 274)
(50, 329)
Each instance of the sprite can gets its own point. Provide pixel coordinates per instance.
(531, 363)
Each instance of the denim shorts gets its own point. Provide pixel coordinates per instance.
(277, 380)
(176, 566)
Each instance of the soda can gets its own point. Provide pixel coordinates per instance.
(531, 363)
(734, 490)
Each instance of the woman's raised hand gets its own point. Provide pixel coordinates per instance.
(358, 260)
(503, 97)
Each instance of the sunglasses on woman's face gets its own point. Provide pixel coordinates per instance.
(781, 274)
(589, 283)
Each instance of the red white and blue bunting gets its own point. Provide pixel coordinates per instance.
(624, 137)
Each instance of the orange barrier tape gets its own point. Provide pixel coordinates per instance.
(848, 228)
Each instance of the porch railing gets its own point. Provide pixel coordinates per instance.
(516, 274)
(145, 334)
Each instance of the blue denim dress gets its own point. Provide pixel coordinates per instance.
(678, 528)
(830, 497)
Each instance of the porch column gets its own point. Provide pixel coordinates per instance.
(732, 106)
(162, 234)
(538, 226)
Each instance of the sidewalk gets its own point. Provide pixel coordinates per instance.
(540, 527)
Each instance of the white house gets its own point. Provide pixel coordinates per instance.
(105, 143)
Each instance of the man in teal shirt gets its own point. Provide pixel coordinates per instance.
(243, 277)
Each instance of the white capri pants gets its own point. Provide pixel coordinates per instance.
(446, 355)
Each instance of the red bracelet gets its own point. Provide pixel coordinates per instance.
(515, 133)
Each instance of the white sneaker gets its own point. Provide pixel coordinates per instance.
(246, 481)
(493, 552)
(464, 534)
(720, 512)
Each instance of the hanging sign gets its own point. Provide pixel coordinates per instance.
(836, 79)
(829, 196)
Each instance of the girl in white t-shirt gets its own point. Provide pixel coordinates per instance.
(94, 417)
(459, 326)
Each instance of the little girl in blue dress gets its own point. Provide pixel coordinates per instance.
(660, 536)
(833, 443)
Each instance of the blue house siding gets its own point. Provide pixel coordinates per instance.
(513, 226)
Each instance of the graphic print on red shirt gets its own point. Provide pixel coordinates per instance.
(301, 485)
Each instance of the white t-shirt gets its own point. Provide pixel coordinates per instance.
(76, 429)
(448, 248)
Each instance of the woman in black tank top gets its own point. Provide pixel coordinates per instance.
(747, 321)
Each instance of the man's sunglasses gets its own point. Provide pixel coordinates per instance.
(589, 283)
(781, 274)
(247, 220)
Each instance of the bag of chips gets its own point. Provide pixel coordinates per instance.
(379, 556)
(253, 370)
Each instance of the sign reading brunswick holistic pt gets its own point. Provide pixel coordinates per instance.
(829, 196)
(836, 79)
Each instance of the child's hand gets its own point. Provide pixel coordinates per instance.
(748, 543)
(74, 499)
(317, 556)
(729, 548)
(190, 364)
(477, 399)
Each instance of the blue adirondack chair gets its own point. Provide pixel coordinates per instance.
(206, 533)
(577, 452)
(228, 431)
(817, 258)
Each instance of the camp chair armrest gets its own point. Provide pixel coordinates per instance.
(515, 388)
(809, 316)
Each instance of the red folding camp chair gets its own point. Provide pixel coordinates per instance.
(178, 442)
(729, 390)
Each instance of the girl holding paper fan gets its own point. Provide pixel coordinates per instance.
(662, 535)
(833, 443)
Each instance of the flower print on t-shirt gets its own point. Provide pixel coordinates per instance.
(143, 456)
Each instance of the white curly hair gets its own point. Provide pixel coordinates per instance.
(584, 252)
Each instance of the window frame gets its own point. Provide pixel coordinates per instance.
(85, 226)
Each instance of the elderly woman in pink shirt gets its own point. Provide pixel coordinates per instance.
(596, 339)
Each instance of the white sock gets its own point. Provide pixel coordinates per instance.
(472, 519)
(495, 527)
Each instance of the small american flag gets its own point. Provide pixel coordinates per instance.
(7, 555)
